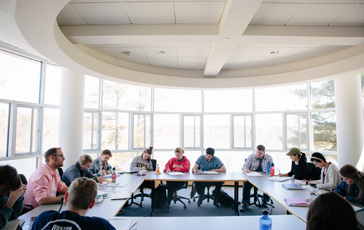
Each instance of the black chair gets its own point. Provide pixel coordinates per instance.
(141, 193)
(181, 198)
(27, 207)
(207, 195)
(259, 200)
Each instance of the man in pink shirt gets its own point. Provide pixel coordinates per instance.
(45, 181)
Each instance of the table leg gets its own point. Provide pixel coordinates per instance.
(151, 198)
(236, 197)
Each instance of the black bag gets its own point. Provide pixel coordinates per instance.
(225, 199)
(159, 196)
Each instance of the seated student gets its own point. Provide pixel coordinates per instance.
(329, 211)
(99, 166)
(80, 169)
(179, 163)
(209, 162)
(11, 194)
(79, 198)
(45, 181)
(352, 184)
(256, 162)
(299, 168)
(330, 176)
(143, 161)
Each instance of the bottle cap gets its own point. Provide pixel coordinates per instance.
(265, 212)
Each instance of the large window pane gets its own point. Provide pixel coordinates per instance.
(217, 131)
(25, 166)
(297, 132)
(281, 98)
(50, 128)
(322, 94)
(90, 135)
(4, 124)
(121, 160)
(19, 78)
(166, 131)
(92, 91)
(324, 131)
(269, 130)
(233, 160)
(26, 130)
(228, 100)
(126, 97)
(142, 130)
(52, 85)
(192, 131)
(174, 100)
(242, 131)
(115, 131)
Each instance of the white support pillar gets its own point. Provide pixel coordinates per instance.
(349, 119)
(71, 115)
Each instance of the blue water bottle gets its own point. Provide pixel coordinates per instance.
(265, 222)
(268, 167)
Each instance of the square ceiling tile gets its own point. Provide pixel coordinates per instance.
(70, 17)
(353, 17)
(199, 12)
(195, 63)
(163, 62)
(150, 12)
(160, 52)
(236, 63)
(245, 51)
(275, 13)
(193, 51)
(266, 52)
(128, 52)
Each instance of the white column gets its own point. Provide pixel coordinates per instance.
(349, 119)
(71, 115)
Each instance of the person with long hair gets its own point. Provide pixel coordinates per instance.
(352, 184)
(299, 168)
(330, 211)
(143, 161)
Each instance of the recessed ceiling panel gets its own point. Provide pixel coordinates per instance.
(102, 13)
(195, 63)
(69, 16)
(160, 52)
(275, 14)
(150, 12)
(274, 52)
(164, 62)
(354, 17)
(127, 52)
(261, 62)
(246, 51)
(193, 51)
(199, 12)
(319, 14)
(236, 63)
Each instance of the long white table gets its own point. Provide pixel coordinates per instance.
(221, 177)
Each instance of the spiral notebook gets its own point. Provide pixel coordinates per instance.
(292, 187)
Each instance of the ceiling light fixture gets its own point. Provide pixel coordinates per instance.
(274, 52)
(160, 52)
(226, 39)
(127, 53)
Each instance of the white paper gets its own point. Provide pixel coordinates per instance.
(279, 179)
(253, 174)
(175, 173)
(102, 193)
(122, 195)
(116, 185)
(122, 224)
(207, 173)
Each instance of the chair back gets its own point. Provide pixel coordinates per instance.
(154, 164)
(60, 171)
(23, 179)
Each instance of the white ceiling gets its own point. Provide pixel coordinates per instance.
(191, 50)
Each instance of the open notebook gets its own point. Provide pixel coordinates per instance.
(292, 187)
(296, 201)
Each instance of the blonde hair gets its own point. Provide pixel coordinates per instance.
(84, 159)
(179, 150)
(82, 192)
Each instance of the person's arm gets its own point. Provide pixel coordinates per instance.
(167, 167)
(341, 188)
(221, 169)
(184, 168)
(94, 169)
(108, 168)
(247, 164)
(133, 165)
(12, 208)
(331, 178)
(195, 168)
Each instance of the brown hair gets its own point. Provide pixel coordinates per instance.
(84, 159)
(10, 177)
(50, 152)
(353, 173)
(330, 211)
(261, 148)
(82, 192)
(108, 152)
(179, 150)
(148, 151)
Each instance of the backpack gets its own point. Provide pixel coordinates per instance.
(159, 196)
(225, 199)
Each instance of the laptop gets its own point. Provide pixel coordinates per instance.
(292, 187)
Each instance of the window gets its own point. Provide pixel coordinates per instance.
(297, 132)
(242, 125)
(121, 160)
(281, 98)
(173, 100)
(92, 89)
(27, 130)
(52, 85)
(322, 95)
(142, 131)
(4, 125)
(324, 131)
(269, 130)
(217, 131)
(126, 97)
(25, 166)
(90, 130)
(15, 69)
(50, 128)
(115, 131)
(192, 131)
(166, 131)
(228, 100)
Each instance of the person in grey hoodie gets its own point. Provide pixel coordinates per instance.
(143, 161)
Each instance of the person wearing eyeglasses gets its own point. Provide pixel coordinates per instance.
(45, 181)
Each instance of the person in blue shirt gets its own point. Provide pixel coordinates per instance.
(352, 184)
(79, 198)
(208, 162)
